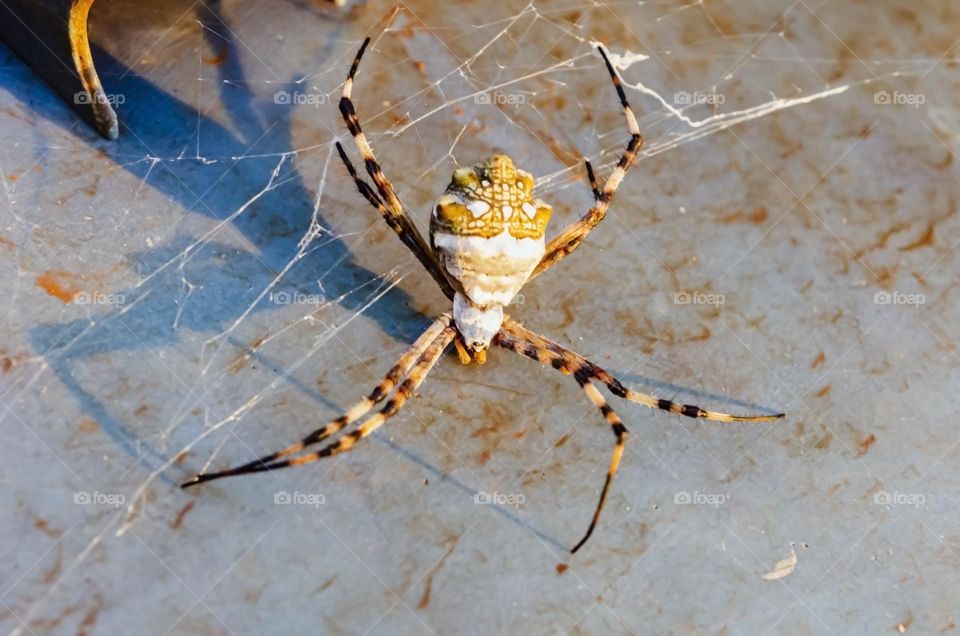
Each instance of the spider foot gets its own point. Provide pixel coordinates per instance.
(462, 352)
(466, 356)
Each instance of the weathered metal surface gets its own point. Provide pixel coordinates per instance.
(210, 286)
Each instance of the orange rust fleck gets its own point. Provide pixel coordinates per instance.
(43, 526)
(926, 240)
(821, 357)
(87, 425)
(700, 337)
(824, 390)
(219, 58)
(824, 442)
(562, 567)
(6, 241)
(60, 284)
(864, 445)
(89, 620)
(425, 599)
(756, 217)
(178, 520)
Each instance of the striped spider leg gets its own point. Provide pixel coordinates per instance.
(570, 238)
(516, 338)
(385, 199)
(412, 369)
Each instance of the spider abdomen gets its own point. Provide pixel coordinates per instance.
(487, 230)
(491, 270)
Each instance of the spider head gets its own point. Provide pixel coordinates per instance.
(477, 325)
(489, 198)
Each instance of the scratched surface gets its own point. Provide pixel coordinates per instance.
(210, 287)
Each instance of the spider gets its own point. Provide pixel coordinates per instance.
(486, 242)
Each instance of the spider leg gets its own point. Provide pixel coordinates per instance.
(570, 238)
(594, 186)
(620, 431)
(387, 202)
(399, 371)
(523, 341)
(518, 339)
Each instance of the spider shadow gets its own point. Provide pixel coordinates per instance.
(662, 388)
(208, 291)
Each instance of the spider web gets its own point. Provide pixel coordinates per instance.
(234, 290)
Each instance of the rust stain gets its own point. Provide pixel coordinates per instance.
(325, 585)
(259, 341)
(7, 242)
(824, 442)
(926, 240)
(51, 575)
(820, 359)
(755, 217)
(837, 486)
(178, 520)
(140, 410)
(427, 590)
(563, 440)
(91, 190)
(238, 363)
(562, 567)
(218, 58)
(824, 390)
(864, 445)
(496, 419)
(420, 66)
(6, 364)
(90, 618)
(60, 284)
(87, 425)
(43, 526)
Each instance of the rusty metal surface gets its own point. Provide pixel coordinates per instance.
(210, 287)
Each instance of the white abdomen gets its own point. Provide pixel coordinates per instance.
(491, 270)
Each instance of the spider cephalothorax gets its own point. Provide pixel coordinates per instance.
(487, 230)
(486, 241)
